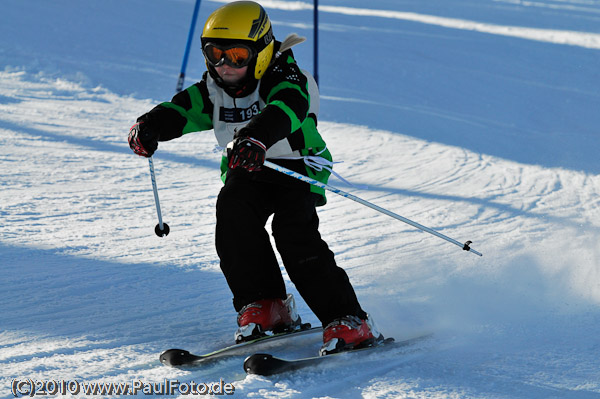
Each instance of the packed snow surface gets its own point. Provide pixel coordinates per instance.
(479, 119)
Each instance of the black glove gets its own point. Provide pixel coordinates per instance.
(143, 140)
(246, 152)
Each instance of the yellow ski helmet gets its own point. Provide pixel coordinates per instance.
(243, 22)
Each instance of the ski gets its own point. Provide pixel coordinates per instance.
(266, 364)
(182, 357)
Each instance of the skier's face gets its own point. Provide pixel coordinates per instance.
(231, 75)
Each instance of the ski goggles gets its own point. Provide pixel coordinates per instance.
(236, 56)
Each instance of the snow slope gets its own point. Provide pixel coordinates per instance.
(448, 120)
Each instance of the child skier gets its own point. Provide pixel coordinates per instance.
(261, 105)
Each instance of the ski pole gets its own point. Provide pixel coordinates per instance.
(465, 246)
(161, 229)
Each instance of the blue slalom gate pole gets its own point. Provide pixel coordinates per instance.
(316, 41)
(187, 48)
(327, 187)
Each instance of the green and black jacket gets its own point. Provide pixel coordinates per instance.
(277, 108)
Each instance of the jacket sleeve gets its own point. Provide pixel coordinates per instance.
(189, 111)
(284, 89)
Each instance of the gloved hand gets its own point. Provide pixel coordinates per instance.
(142, 140)
(246, 152)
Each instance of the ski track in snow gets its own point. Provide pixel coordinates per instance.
(94, 295)
(78, 240)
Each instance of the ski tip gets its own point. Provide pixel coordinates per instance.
(176, 357)
(259, 363)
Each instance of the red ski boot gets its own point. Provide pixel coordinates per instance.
(274, 315)
(349, 333)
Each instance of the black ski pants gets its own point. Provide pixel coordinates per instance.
(247, 258)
